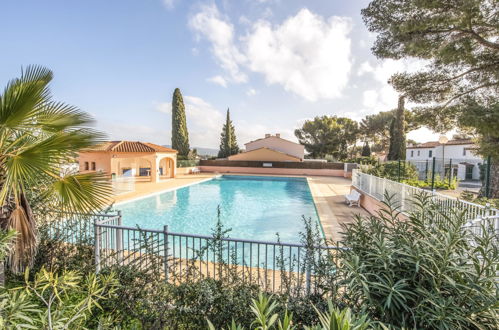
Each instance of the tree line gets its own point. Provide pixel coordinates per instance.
(180, 134)
(338, 137)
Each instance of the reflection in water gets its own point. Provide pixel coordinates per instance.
(166, 201)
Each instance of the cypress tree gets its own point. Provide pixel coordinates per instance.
(180, 135)
(228, 141)
(397, 133)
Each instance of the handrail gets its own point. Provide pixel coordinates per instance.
(227, 239)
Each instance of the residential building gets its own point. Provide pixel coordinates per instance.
(457, 156)
(140, 160)
(271, 148)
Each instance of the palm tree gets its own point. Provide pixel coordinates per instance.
(37, 136)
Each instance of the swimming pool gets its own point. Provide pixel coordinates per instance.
(253, 207)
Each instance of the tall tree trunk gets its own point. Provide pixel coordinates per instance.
(2, 273)
(494, 179)
(397, 133)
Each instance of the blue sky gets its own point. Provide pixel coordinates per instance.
(274, 63)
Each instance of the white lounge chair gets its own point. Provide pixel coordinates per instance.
(353, 198)
(195, 170)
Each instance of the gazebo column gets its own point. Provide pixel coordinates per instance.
(154, 168)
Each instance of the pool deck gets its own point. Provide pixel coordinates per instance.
(149, 188)
(327, 192)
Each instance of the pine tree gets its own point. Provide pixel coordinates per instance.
(397, 133)
(228, 141)
(180, 135)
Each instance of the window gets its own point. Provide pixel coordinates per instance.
(86, 166)
(419, 152)
(126, 172)
(144, 171)
(160, 171)
(412, 153)
(430, 153)
(464, 151)
(93, 166)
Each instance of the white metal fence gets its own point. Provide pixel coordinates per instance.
(404, 196)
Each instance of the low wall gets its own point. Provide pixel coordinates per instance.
(370, 204)
(273, 170)
(185, 170)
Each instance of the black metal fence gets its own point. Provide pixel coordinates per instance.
(176, 257)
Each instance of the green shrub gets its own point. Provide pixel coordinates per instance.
(471, 197)
(425, 272)
(393, 170)
(53, 301)
(437, 184)
(363, 160)
(265, 316)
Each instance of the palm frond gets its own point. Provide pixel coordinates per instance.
(24, 97)
(81, 192)
(37, 136)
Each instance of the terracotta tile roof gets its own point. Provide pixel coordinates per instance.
(461, 141)
(433, 144)
(273, 150)
(269, 137)
(129, 146)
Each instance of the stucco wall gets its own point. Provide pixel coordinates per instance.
(273, 142)
(112, 162)
(102, 161)
(277, 171)
(264, 155)
(372, 205)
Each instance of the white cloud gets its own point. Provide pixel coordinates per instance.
(210, 24)
(384, 97)
(307, 54)
(169, 4)
(219, 80)
(251, 92)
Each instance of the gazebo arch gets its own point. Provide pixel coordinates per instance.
(166, 167)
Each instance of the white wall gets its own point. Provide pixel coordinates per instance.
(275, 143)
(412, 154)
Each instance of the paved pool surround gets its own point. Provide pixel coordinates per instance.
(327, 193)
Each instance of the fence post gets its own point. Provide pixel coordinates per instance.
(426, 172)
(399, 170)
(384, 189)
(165, 247)
(119, 238)
(487, 178)
(433, 175)
(97, 245)
(370, 185)
(450, 171)
(308, 275)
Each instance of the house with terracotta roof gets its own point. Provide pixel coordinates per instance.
(140, 160)
(271, 148)
(457, 156)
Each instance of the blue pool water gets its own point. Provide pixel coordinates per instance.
(253, 207)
